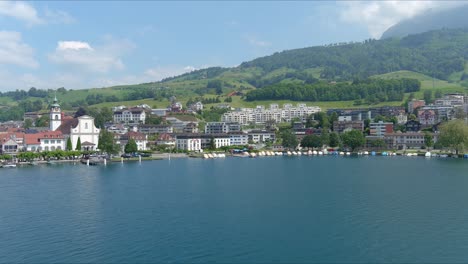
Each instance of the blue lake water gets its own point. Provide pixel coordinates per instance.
(272, 209)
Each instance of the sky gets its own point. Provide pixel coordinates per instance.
(89, 44)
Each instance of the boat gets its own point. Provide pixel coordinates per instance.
(428, 154)
(9, 165)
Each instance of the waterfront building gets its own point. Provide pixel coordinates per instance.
(44, 141)
(188, 142)
(407, 140)
(238, 138)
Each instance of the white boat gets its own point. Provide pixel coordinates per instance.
(341, 153)
(253, 155)
(320, 153)
(206, 156)
(9, 165)
(299, 153)
(366, 153)
(348, 153)
(309, 152)
(427, 155)
(314, 152)
(289, 153)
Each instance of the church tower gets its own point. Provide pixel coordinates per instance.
(55, 115)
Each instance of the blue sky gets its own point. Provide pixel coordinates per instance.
(95, 44)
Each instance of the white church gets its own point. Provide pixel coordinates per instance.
(81, 128)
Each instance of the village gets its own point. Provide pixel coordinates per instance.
(385, 128)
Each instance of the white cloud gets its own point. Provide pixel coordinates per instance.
(58, 16)
(27, 13)
(378, 16)
(14, 51)
(257, 42)
(20, 10)
(73, 45)
(81, 56)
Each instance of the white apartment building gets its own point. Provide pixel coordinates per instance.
(261, 115)
(239, 139)
(188, 143)
(130, 116)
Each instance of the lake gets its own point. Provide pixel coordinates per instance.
(272, 209)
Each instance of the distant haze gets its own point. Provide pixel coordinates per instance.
(431, 20)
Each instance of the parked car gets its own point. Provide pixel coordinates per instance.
(126, 155)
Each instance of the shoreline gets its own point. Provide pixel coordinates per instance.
(168, 156)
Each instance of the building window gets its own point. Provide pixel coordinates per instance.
(46, 141)
(86, 125)
(56, 117)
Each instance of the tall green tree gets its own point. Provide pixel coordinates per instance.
(454, 135)
(131, 146)
(334, 140)
(289, 139)
(311, 141)
(106, 142)
(325, 136)
(428, 141)
(353, 139)
(69, 146)
(78, 144)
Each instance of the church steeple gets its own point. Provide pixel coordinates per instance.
(55, 115)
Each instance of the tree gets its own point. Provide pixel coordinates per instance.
(69, 145)
(353, 139)
(428, 96)
(78, 144)
(153, 120)
(322, 119)
(454, 135)
(212, 144)
(42, 121)
(289, 139)
(27, 123)
(334, 140)
(428, 142)
(106, 142)
(131, 146)
(378, 143)
(325, 136)
(80, 112)
(311, 141)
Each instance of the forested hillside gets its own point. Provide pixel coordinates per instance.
(436, 53)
